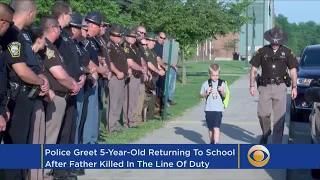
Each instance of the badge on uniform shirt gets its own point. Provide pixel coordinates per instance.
(126, 50)
(65, 39)
(283, 54)
(50, 53)
(14, 49)
(147, 53)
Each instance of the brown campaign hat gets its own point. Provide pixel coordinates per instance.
(104, 22)
(115, 30)
(275, 36)
(131, 32)
(151, 37)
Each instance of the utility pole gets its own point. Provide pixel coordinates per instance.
(246, 64)
(273, 15)
(264, 18)
(253, 31)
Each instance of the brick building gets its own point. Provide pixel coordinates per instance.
(221, 48)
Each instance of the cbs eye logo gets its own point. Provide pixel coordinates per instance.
(258, 156)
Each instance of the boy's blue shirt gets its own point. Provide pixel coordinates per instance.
(213, 104)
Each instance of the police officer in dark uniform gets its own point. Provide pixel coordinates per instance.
(24, 83)
(91, 128)
(104, 61)
(6, 21)
(119, 79)
(75, 29)
(274, 60)
(135, 64)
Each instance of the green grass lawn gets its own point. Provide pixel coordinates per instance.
(227, 67)
(186, 97)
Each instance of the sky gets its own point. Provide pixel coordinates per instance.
(299, 10)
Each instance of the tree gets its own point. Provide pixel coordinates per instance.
(190, 21)
(228, 46)
(300, 35)
(109, 8)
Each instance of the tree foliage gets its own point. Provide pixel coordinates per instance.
(188, 21)
(299, 35)
(191, 20)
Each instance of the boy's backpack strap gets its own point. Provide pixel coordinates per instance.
(209, 82)
(210, 85)
(220, 81)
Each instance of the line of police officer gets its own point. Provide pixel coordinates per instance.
(53, 78)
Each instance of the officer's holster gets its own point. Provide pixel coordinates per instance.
(287, 79)
(14, 89)
(258, 80)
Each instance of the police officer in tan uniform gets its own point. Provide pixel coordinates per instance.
(151, 55)
(134, 60)
(274, 60)
(117, 83)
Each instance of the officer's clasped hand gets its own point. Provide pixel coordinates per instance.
(76, 88)
(3, 123)
(120, 75)
(45, 87)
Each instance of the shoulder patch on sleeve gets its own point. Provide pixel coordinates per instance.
(85, 43)
(126, 50)
(14, 49)
(50, 53)
(26, 37)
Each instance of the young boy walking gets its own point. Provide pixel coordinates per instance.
(214, 106)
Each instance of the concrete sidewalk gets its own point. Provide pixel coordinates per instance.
(240, 126)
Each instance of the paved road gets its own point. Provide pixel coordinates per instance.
(299, 134)
(240, 126)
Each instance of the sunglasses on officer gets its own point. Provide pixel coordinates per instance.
(10, 22)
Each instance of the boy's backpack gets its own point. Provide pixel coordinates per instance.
(225, 100)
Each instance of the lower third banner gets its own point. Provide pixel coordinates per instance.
(160, 156)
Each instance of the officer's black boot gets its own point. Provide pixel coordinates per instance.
(264, 138)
